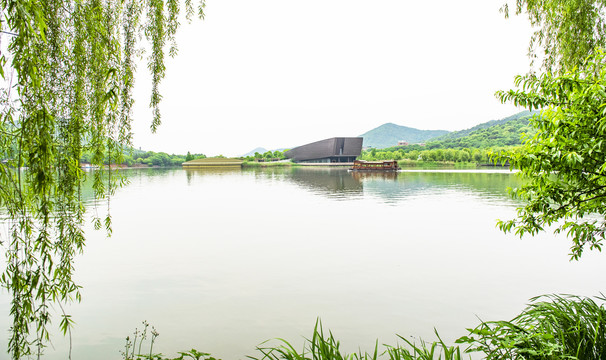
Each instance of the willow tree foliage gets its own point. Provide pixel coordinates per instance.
(565, 161)
(566, 31)
(68, 70)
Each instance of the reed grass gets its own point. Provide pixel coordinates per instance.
(551, 327)
(561, 327)
(321, 347)
(424, 351)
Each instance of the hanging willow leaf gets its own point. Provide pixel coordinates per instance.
(69, 70)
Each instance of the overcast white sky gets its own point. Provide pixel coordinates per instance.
(282, 73)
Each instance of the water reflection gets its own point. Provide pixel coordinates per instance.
(191, 174)
(392, 187)
(223, 259)
(381, 175)
(488, 185)
(340, 184)
(328, 182)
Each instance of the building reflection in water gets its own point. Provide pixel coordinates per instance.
(393, 187)
(389, 187)
(329, 182)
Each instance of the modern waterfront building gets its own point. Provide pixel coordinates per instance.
(333, 150)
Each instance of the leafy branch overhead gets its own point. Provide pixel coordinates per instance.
(565, 161)
(565, 32)
(68, 77)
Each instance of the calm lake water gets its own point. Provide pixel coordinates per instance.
(223, 260)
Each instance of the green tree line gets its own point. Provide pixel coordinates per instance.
(418, 153)
(266, 156)
(145, 158)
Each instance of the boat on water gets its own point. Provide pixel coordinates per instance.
(385, 165)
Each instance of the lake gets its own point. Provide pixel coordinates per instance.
(222, 260)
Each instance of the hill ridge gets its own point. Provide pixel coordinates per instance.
(389, 134)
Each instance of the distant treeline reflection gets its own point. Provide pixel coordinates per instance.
(392, 186)
(340, 184)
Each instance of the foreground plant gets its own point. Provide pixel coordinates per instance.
(133, 349)
(551, 327)
(424, 351)
(561, 327)
(321, 347)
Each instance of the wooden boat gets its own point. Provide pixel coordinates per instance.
(386, 165)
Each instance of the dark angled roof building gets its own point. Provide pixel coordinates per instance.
(333, 150)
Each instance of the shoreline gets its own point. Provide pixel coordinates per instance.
(249, 165)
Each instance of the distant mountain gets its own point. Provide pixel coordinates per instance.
(494, 133)
(389, 134)
(260, 150)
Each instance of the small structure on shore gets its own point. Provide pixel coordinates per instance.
(387, 165)
(212, 162)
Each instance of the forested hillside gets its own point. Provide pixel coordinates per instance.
(389, 134)
(496, 133)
